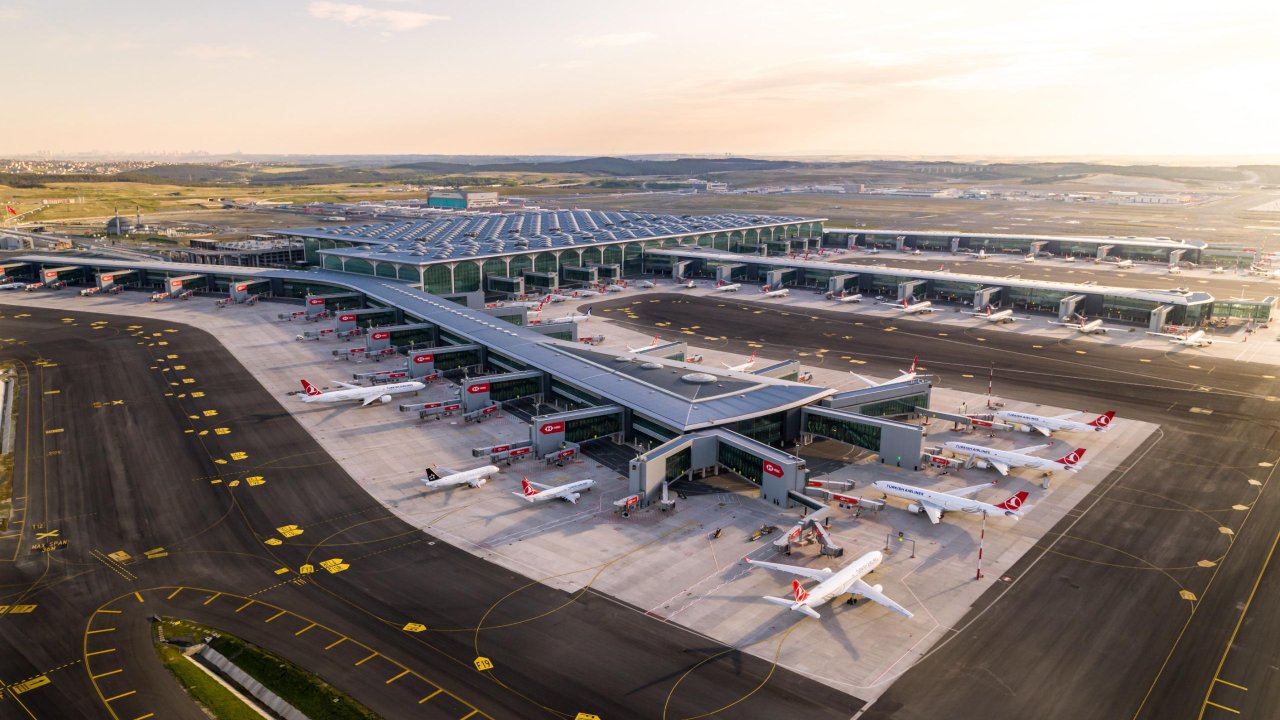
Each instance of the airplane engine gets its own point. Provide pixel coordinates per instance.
(384, 399)
(478, 482)
(877, 587)
(572, 497)
(915, 508)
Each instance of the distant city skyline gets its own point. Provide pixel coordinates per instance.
(747, 78)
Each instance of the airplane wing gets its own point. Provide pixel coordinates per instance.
(810, 573)
(370, 400)
(1000, 467)
(966, 492)
(933, 511)
(345, 386)
(867, 380)
(1043, 430)
(540, 486)
(1168, 335)
(862, 588)
(443, 482)
(1032, 448)
(1066, 416)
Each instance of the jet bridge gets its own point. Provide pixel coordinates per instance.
(176, 286)
(1069, 306)
(111, 278)
(549, 433)
(1159, 318)
(896, 443)
(911, 289)
(986, 296)
(414, 334)
(709, 452)
(837, 284)
(51, 276)
(725, 272)
(1103, 250)
(243, 290)
(349, 320)
(318, 305)
(483, 391)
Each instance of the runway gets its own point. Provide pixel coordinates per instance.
(1141, 603)
(154, 476)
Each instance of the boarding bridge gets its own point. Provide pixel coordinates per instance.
(52, 276)
(1175, 256)
(725, 272)
(560, 331)
(1159, 318)
(779, 277)
(844, 282)
(1069, 306)
(551, 432)
(541, 281)
(318, 305)
(580, 275)
(610, 272)
(907, 290)
(505, 285)
(450, 357)
(1103, 250)
(895, 398)
(707, 453)
(112, 278)
(785, 370)
(243, 290)
(185, 283)
(675, 350)
(955, 244)
(897, 443)
(1037, 247)
(966, 421)
(9, 271)
(678, 269)
(986, 296)
(349, 320)
(422, 334)
(478, 392)
(508, 452)
(900, 243)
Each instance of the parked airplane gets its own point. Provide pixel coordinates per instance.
(831, 585)
(475, 478)
(1005, 460)
(366, 395)
(845, 297)
(780, 292)
(558, 298)
(1196, 339)
(656, 340)
(934, 503)
(1082, 326)
(530, 305)
(1175, 270)
(1122, 264)
(645, 284)
(569, 492)
(1219, 270)
(980, 255)
(1264, 271)
(1057, 423)
(586, 293)
(570, 318)
(903, 376)
(615, 288)
(999, 316)
(1029, 258)
(13, 286)
(686, 284)
(910, 308)
(744, 366)
(728, 287)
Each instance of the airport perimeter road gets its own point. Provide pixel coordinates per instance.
(1141, 603)
(154, 476)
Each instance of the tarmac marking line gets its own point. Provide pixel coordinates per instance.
(1224, 707)
(374, 655)
(111, 612)
(437, 692)
(336, 643)
(397, 677)
(1238, 687)
(101, 630)
(273, 617)
(175, 592)
(215, 596)
(139, 596)
(245, 605)
(144, 717)
(121, 695)
(109, 672)
(99, 652)
(473, 712)
(304, 629)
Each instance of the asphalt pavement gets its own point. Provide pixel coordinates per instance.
(1152, 599)
(155, 477)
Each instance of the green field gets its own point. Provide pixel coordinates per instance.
(214, 699)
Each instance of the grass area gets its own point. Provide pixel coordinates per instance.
(6, 464)
(214, 699)
(305, 691)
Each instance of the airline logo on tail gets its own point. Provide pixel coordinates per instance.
(800, 593)
(1072, 458)
(911, 370)
(528, 489)
(310, 389)
(1014, 503)
(1103, 420)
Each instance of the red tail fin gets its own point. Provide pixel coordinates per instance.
(1071, 458)
(1015, 502)
(528, 489)
(308, 388)
(800, 593)
(1104, 419)
(914, 360)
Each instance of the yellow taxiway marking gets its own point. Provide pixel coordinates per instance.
(374, 655)
(112, 612)
(464, 717)
(121, 695)
(32, 684)
(54, 431)
(139, 596)
(105, 674)
(397, 677)
(304, 629)
(100, 652)
(101, 630)
(335, 643)
(244, 606)
(437, 692)
(273, 617)
(1223, 707)
(172, 594)
(213, 597)
(145, 717)
(1238, 687)
(52, 392)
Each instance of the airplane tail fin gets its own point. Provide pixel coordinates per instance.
(914, 360)
(528, 489)
(308, 388)
(1014, 502)
(753, 356)
(1071, 459)
(1103, 420)
(432, 475)
(798, 591)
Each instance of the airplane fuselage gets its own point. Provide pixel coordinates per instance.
(362, 394)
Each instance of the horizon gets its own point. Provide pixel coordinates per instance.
(997, 79)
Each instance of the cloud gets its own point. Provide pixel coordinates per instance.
(616, 39)
(218, 52)
(365, 16)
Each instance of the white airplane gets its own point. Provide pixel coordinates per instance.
(780, 292)
(916, 251)
(1000, 316)
(13, 286)
(744, 366)
(615, 288)
(645, 284)
(934, 504)
(654, 343)
(903, 376)
(1005, 460)
(366, 395)
(1219, 270)
(1058, 423)
(728, 287)
(570, 318)
(475, 478)
(1029, 258)
(845, 297)
(1175, 270)
(569, 492)
(910, 308)
(1124, 264)
(1263, 271)
(586, 293)
(558, 298)
(980, 255)
(686, 284)
(1196, 339)
(528, 305)
(1082, 326)
(831, 585)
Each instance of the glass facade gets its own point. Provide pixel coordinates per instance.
(952, 291)
(766, 429)
(520, 264)
(438, 280)
(457, 359)
(505, 284)
(1256, 311)
(514, 389)
(1034, 298)
(679, 463)
(746, 464)
(851, 432)
(653, 427)
(592, 428)
(545, 262)
(466, 277)
(895, 407)
(572, 397)
(1128, 309)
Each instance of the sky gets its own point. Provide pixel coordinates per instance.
(796, 78)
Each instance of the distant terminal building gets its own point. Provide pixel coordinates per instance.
(536, 251)
(461, 199)
(265, 250)
(1126, 248)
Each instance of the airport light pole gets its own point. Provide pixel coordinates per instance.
(982, 539)
(991, 378)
